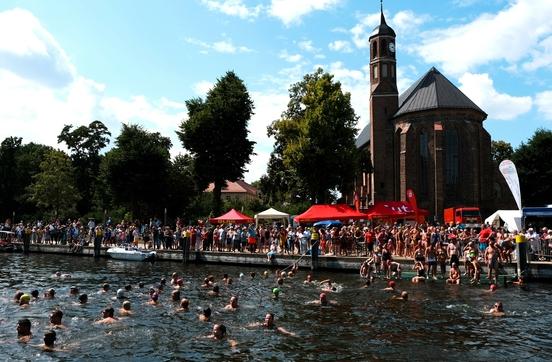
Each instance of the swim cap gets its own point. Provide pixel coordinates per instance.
(391, 283)
(492, 287)
(120, 293)
(323, 295)
(241, 275)
(126, 305)
(25, 298)
(276, 291)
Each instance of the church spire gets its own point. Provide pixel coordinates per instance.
(382, 17)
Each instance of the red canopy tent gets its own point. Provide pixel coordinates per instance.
(394, 210)
(233, 216)
(329, 212)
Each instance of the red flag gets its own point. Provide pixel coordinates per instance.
(438, 126)
(357, 201)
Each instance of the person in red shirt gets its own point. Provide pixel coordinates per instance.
(484, 236)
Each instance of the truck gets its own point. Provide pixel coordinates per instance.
(468, 217)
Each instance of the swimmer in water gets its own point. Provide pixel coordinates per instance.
(107, 317)
(73, 291)
(175, 295)
(128, 287)
(17, 296)
(121, 294)
(206, 283)
(125, 311)
(275, 293)
(35, 294)
(233, 305)
(154, 299)
(252, 274)
(308, 280)
(229, 281)
(323, 301)
(280, 281)
(184, 305)
(390, 286)
(269, 324)
(420, 276)
(219, 334)
(328, 286)
(55, 319)
(140, 284)
(49, 339)
(24, 330)
(24, 300)
(492, 288)
(105, 288)
(50, 294)
(174, 278)
(83, 298)
(265, 274)
(215, 292)
(497, 310)
(205, 315)
(179, 284)
(403, 296)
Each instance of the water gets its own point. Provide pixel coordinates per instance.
(439, 322)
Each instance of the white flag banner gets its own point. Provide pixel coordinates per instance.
(508, 170)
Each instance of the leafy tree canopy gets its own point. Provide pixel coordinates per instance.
(500, 151)
(314, 139)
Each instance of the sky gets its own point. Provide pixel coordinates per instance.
(137, 62)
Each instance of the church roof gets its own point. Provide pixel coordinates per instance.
(383, 28)
(431, 91)
(363, 137)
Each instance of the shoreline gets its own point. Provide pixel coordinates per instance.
(539, 270)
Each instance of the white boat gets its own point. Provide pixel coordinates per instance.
(130, 253)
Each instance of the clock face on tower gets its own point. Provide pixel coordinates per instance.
(392, 47)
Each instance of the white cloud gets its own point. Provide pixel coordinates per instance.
(291, 11)
(541, 57)
(233, 8)
(543, 101)
(509, 35)
(222, 46)
(361, 31)
(201, 88)
(501, 106)
(307, 46)
(292, 58)
(406, 21)
(340, 46)
(29, 50)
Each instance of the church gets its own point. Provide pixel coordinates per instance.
(429, 139)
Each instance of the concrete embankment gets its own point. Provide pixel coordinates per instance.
(541, 271)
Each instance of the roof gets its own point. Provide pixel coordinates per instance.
(383, 28)
(364, 137)
(237, 187)
(329, 212)
(271, 214)
(393, 209)
(433, 90)
(232, 216)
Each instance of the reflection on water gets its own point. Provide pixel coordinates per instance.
(438, 322)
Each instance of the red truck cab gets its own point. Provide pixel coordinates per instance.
(469, 217)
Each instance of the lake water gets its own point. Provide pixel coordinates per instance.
(439, 322)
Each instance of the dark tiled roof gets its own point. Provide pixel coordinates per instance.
(432, 91)
(363, 138)
(383, 28)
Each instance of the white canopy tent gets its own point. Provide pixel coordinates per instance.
(511, 219)
(272, 214)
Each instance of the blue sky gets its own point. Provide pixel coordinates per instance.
(70, 62)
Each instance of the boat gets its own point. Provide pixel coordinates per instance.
(6, 242)
(130, 253)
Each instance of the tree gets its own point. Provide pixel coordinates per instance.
(85, 144)
(533, 161)
(500, 151)
(136, 171)
(54, 187)
(315, 137)
(216, 133)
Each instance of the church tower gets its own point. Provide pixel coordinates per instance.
(384, 100)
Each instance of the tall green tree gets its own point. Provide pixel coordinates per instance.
(534, 164)
(136, 171)
(315, 137)
(54, 188)
(216, 134)
(85, 144)
(500, 151)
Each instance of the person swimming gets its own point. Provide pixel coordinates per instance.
(497, 310)
(24, 300)
(390, 286)
(125, 310)
(107, 316)
(49, 339)
(215, 292)
(323, 300)
(269, 324)
(35, 294)
(233, 305)
(17, 296)
(403, 296)
(83, 298)
(121, 294)
(219, 334)
(154, 298)
(24, 330)
(308, 280)
(184, 305)
(55, 319)
(50, 294)
(175, 295)
(105, 288)
(275, 293)
(205, 315)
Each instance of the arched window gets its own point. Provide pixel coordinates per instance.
(374, 49)
(383, 47)
(451, 157)
(424, 165)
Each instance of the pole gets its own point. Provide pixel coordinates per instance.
(435, 172)
(521, 250)
(165, 219)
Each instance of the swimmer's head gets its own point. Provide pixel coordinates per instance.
(105, 287)
(24, 327)
(83, 298)
(74, 290)
(163, 281)
(492, 287)
(234, 301)
(120, 293)
(128, 287)
(391, 284)
(280, 281)
(216, 289)
(56, 316)
(34, 293)
(174, 275)
(404, 295)
(276, 291)
(180, 282)
(49, 338)
(155, 297)
(207, 312)
(126, 305)
(51, 293)
(17, 296)
(241, 275)
(24, 299)
(184, 303)
(323, 297)
(58, 274)
(175, 295)
(140, 284)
